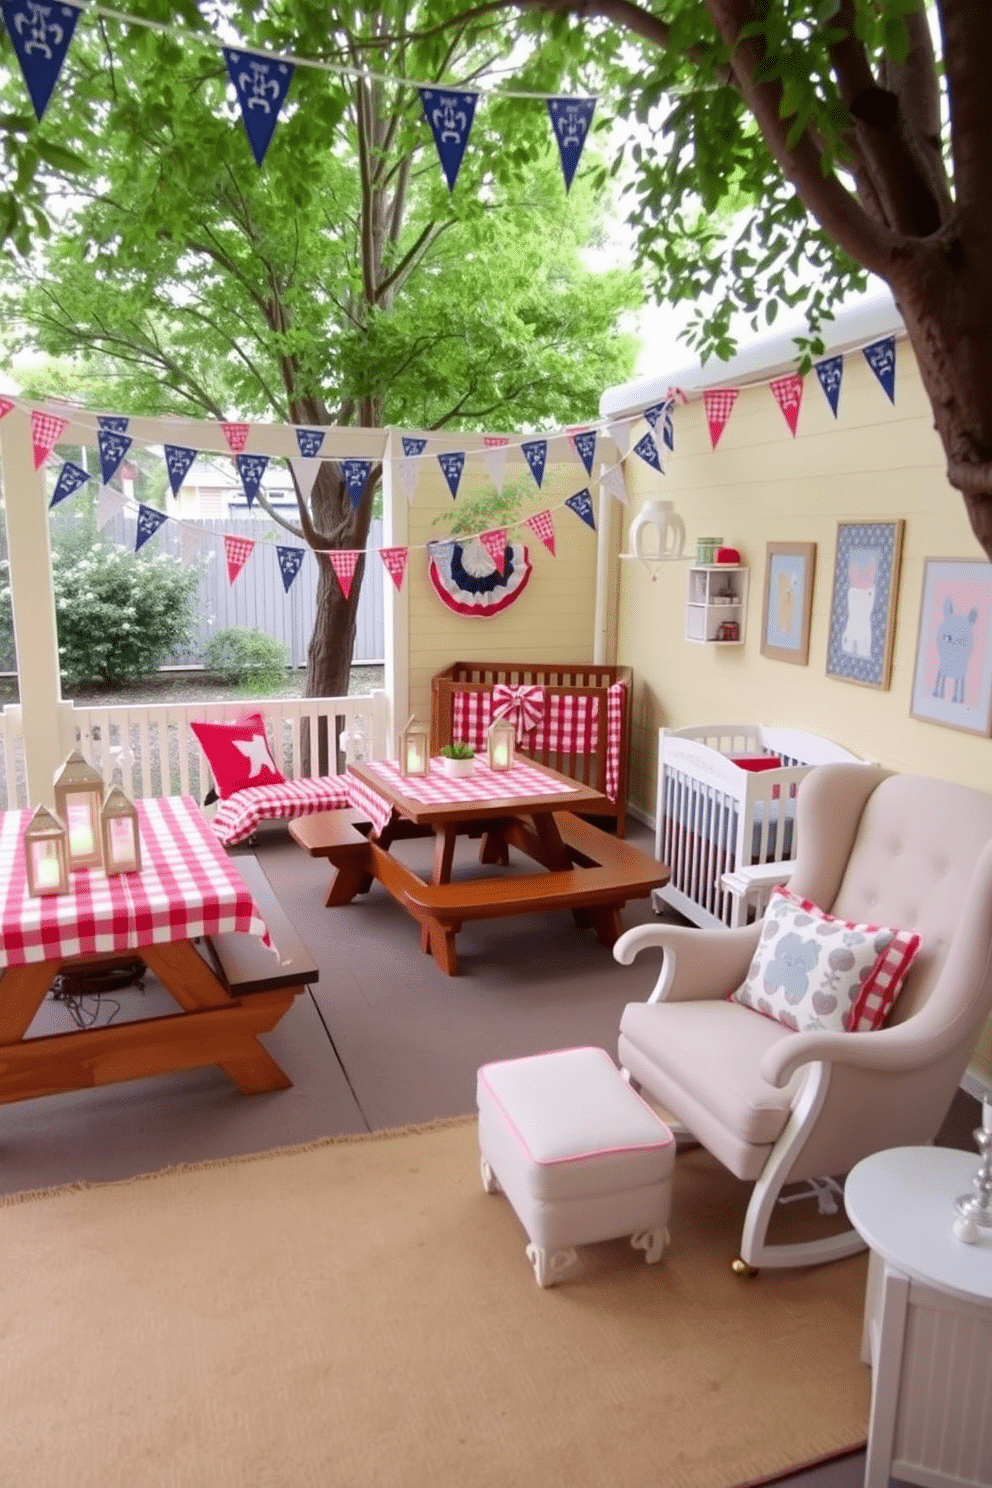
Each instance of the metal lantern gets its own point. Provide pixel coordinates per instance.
(46, 854)
(413, 756)
(119, 833)
(78, 801)
(354, 742)
(500, 742)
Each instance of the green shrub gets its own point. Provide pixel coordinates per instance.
(253, 661)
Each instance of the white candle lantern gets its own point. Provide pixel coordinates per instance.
(46, 854)
(78, 800)
(414, 759)
(500, 743)
(119, 833)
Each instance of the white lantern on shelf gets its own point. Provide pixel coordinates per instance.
(46, 854)
(500, 743)
(78, 802)
(119, 833)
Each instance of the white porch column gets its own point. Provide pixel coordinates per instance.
(33, 604)
(396, 603)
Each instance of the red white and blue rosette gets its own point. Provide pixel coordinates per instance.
(467, 580)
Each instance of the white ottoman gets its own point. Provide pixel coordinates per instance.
(580, 1156)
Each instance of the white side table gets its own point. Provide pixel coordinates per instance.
(928, 1320)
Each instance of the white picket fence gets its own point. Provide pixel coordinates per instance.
(150, 749)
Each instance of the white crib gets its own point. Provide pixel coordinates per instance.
(726, 830)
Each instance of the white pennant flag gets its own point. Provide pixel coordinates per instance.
(305, 472)
(109, 503)
(191, 540)
(614, 482)
(408, 472)
(620, 434)
(495, 457)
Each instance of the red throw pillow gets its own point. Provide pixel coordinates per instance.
(238, 754)
(756, 761)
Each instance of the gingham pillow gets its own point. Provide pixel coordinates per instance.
(812, 971)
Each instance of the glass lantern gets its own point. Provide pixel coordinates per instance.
(354, 742)
(500, 742)
(46, 854)
(413, 756)
(119, 833)
(78, 802)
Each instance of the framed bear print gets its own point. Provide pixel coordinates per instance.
(788, 601)
(863, 603)
(952, 679)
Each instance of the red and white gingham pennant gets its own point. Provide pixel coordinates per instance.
(238, 550)
(344, 561)
(6, 404)
(494, 543)
(542, 525)
(236, 436)
(719, 405)
(789, 396)
(395, 561)
(46, 430)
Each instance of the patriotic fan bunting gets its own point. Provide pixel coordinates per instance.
(261, 84)
(355, 474)
(236, 436)
(494, 455)
(450, 114)
(452, 465)
(237, 550)
(40, 35)
(113, 447)
(71, 477)
(494, 543)
(584, 444)
(251, 468)
(648, 451)
(467, 582)
(394, 560)
(149, 521)
(178, 459)
(830, 373)
(46, 431)
(542, 525)
(344, 561)
(788, 392)
(719, 404)
(881, 358)
(535, 452)
(581, 504)
(309, 442)
(290, 560)
(570, 121)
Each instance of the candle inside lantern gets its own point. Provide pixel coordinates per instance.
(81, 839)
(501, 753)
(121, 837)
(46, 870)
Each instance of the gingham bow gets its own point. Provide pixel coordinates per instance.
(522, 706)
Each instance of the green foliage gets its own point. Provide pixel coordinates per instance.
(481, 511)
(458, 750)
(119, 613)
(251, 660)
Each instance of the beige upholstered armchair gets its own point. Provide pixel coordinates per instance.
(775, 1105)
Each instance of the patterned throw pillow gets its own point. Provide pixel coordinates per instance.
(238, 754)
(812, 971)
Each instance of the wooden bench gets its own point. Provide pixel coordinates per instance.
(342, 837)
(243, 962)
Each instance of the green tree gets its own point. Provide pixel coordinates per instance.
(342, 283)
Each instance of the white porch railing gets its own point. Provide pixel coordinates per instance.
(150, 749)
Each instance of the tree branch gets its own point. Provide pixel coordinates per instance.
(967, 29)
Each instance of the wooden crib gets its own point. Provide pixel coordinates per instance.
(562, 716)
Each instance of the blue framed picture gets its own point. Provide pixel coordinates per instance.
(863, 603)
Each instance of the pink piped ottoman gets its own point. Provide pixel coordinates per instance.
(580, 1156)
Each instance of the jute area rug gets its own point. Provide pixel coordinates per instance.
(359, 1313)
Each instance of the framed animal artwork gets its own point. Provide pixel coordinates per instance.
(863, 604)
(788, 601)
(952, 679)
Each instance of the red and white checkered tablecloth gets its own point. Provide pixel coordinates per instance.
(187, 887)
(439, 788)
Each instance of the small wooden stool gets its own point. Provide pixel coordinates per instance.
(341, 836)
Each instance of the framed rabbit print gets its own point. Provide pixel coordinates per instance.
(952, 679)
(863, 604)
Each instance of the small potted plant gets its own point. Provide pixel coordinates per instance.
(457, 758)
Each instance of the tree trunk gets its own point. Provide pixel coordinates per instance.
(333, 639)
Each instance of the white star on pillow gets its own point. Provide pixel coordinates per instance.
(256, 752)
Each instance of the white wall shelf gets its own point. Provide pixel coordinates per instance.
(715, 601)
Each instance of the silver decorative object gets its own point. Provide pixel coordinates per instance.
(975, 1209)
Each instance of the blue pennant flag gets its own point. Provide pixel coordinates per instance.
(581, 504)
(178, 459)
(149, 521)
(830, 373)
(309, 441)
(116, 422)
(449, 113)
(40, 35)
(570, 120)
(881, 358)
(290, 560)
(71, 477)
(355, 474)
(535, 452)
(251, 468)
(648, 451)
(668, 427)
(585, 448)
(452, 465)
(413, 446)
(261, 84)
(113, 448)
